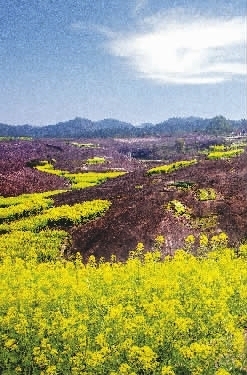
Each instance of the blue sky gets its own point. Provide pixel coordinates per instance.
(137, 61)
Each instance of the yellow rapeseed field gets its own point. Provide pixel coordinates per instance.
(176, 315)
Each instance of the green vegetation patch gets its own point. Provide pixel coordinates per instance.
(79, 180)
(139, 187)
(24, 138)
(206, 194)
(178, 208)
(96, 160)
(4, 139)
(184, 185)
(171, 167)
(205, 223)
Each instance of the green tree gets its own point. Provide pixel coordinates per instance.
(219, 125)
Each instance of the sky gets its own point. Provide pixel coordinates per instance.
(137, 61)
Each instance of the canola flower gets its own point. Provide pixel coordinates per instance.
(39, 247)
(81, 180)
(178, 315)
(13, 208)
(62, 215)
(225, 152)
(168, 168)
(96, 160)
(35, 212)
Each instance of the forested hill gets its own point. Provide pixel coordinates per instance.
(80, 127)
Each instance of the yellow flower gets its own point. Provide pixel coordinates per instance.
(203, 240)
(100, 339)
(51, 370)
(222, 371)
(143, 356)
(11, 344)
(167, 370)
(190, 239)
(124, 369)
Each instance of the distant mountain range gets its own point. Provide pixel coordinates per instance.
(80, 127)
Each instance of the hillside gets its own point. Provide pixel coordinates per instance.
(139, 201)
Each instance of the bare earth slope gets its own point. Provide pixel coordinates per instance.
(138, 208)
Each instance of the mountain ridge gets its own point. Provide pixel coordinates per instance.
(83, 127)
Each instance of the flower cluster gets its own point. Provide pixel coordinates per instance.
(172, 167)
(80, 180)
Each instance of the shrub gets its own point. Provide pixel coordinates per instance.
(206, 194)
(96, 160)
(178, 208)
(203, 223)
(184, 185)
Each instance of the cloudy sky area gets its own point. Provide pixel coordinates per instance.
(137, 61)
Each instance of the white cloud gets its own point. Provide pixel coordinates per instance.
(180, 49)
